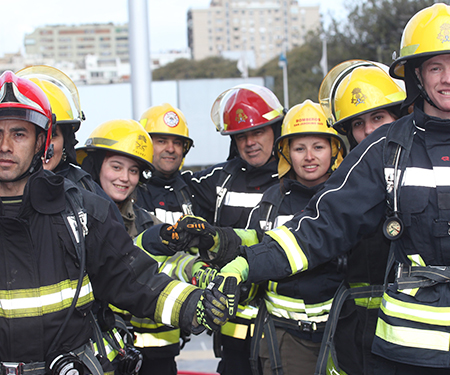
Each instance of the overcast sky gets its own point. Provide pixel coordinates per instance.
(167, 18)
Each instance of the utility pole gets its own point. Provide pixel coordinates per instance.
(139, 45)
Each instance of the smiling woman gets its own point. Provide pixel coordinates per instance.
(117, 154)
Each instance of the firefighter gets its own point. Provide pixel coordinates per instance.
(397, 174)
(359, 96)
(65, 102)
(165, 194)
(60, 247)
(225, 193)
(117, 155)
(378, 102)
(308, 152)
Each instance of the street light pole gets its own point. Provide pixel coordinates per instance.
(139, 44)
(282, 63)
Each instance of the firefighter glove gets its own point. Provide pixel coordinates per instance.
(188, 232)
(226, 247)
(238, 268)
(212, 307)
(203, 275)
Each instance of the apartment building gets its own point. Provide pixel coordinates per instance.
(257, 29)
(72, 43)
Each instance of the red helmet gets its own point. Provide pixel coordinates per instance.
(22, 99)
(245, 107)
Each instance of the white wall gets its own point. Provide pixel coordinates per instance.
(194, 98)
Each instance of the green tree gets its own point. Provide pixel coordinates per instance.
(374, 28)
(211, 67)
(371, 31)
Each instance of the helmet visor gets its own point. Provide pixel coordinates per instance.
(63, 82)
(36, 118)
(218, 107)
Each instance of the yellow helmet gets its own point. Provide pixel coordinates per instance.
(307, 118)
(60, 91)
(126, 137)
(356, 87)
(166, 119)
(425, 35)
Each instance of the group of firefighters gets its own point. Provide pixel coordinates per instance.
(298, 253)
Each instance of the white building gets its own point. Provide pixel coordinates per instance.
(259, 30)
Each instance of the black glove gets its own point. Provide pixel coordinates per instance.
(212, 309)
(203, 276)
(225, 248)
(218, 302)
(189, 231)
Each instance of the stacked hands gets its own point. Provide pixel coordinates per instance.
(216, 246)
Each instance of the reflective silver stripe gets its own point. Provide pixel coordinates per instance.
(438, 176)
(171, 301)
(43, 300)
(422, 177)
(282, 219)
(413, 337)
(436, 316)
(145, 340)
(234, 199)
(168, 217)
(296, 309)
(247, 312)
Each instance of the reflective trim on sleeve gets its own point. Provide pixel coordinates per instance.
(437, 316)
(170, 301)
(22, 303)
(413, 337)
(296, 257)
(248, 237)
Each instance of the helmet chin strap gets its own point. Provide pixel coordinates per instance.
(423, 93)
(35, 165)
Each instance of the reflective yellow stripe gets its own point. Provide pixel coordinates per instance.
(238, 331)
(145, 323)
(274, 113)
(369, 302)
(413, 337)
(439, 316)
(138, 242)
(157, 339)
(248, 237)
(296, 309)
(247, 312)
(22, 303)
(416, 260)
(170, 301)
(296, 257)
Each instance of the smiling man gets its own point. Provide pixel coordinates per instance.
(165, 194)
(226, 193)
